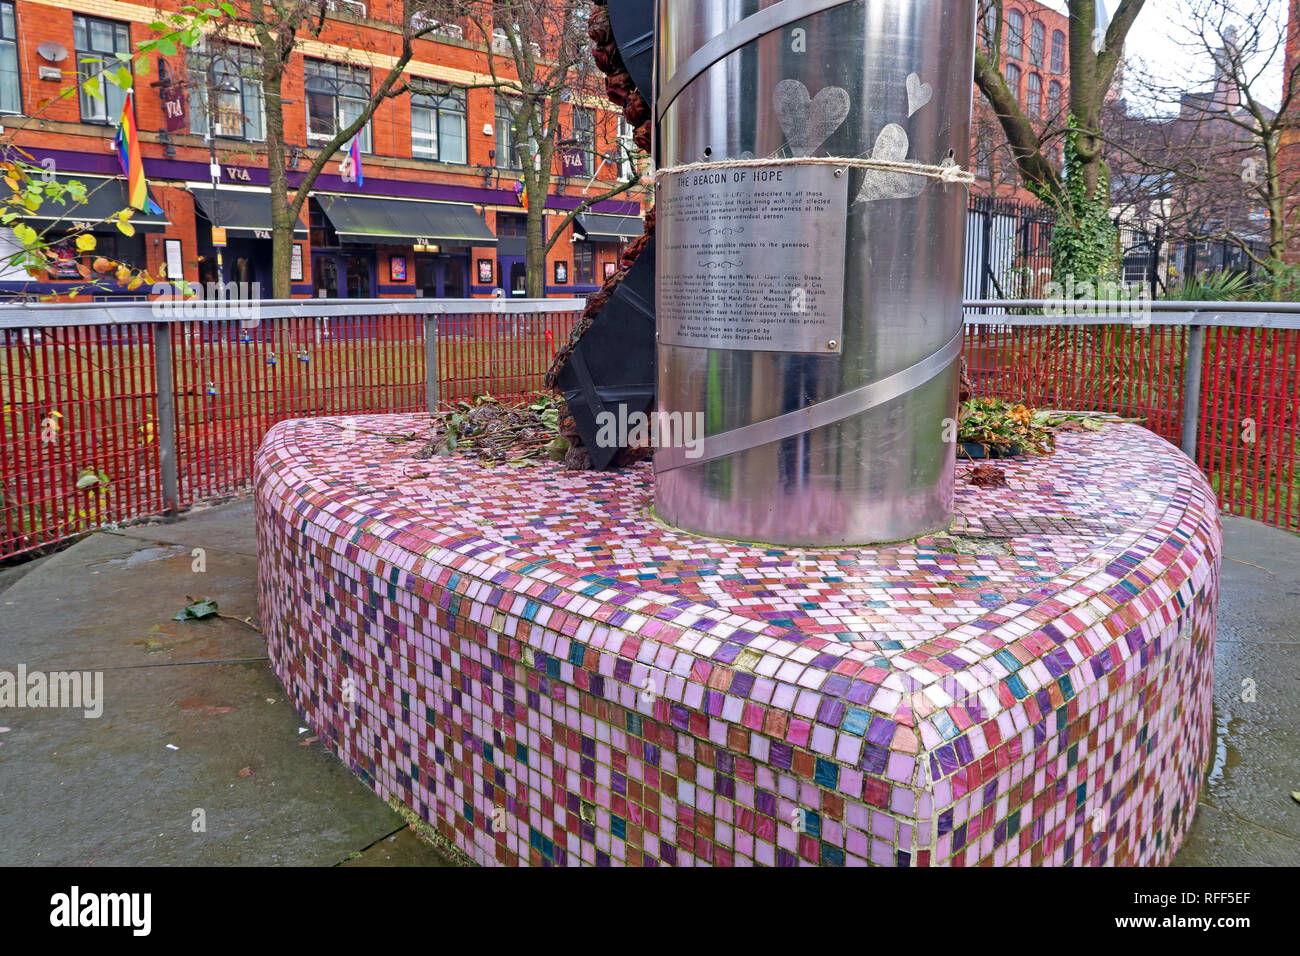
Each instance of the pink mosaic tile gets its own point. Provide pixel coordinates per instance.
(549, 676)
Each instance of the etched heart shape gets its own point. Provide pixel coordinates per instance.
(808, 122)
(891, 146)
(918, 93)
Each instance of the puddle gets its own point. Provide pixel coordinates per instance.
(143, 556)
(1226, 755)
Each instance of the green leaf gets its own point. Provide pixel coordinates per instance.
(91, 86)
(167, 47)
(87, 479)
(229, 8)
(196, 611)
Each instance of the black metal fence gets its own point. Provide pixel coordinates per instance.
(1009, 253)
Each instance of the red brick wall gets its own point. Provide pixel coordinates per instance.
(55, 123)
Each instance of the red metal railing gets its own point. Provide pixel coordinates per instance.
(82, 413)
(81, 402)
(1245, 430)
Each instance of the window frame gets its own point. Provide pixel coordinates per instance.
(112, 111)
(1055, 98)
(1058, 52)
(328, 73)
(1015, 34)
(247, 61)
(1034, 97)
(1037, 43)
(11, 42)
(1013, 86)
(438, 98)
(585, 137)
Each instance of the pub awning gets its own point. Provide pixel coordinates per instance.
(241, 212)
(599, 227)
(369, 219)
(105, 197)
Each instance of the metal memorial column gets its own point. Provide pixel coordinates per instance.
(810, 310)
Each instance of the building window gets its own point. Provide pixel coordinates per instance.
(507, 138)
(584, 135)
(98, 42)
(1037, 43)
(1013, 80)
(1058, 52)
(626, 150)
(230, 74)
(983, 156)
(584, 264)
(1015, 34)
(1055, 92)
(1034, 96)
(991, 28)
(336, 95)
(11, 91)
(438, 125)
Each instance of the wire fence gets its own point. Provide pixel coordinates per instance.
(88, 437)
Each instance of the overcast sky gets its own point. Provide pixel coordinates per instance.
(1153, 41)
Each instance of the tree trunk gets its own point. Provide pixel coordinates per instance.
(281, 215)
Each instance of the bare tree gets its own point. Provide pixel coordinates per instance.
(278, 27)
(1217, 160)
(539, 61)
(1080, 190)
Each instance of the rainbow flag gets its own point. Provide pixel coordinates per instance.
(520, 193)
(128, 154)
(354, 154)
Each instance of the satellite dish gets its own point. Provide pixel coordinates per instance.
(52, 52)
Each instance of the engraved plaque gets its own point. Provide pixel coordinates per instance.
(752, 258)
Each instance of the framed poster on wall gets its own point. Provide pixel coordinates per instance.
(397, 268)
(175, 265)
(295, 263)
(561, 273)
(609, 269)
(485, 272)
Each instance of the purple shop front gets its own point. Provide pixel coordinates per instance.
(529, 663)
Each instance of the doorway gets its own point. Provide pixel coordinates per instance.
(343, 275)
(441, 276)
(512, 273)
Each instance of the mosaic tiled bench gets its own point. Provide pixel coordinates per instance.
(543, 673)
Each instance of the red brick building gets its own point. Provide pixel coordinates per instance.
(1034, 57)
(1290, 154)
(436, 213)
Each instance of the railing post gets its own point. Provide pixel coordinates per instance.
(163, 381)
(431, 362)
(1192, 387)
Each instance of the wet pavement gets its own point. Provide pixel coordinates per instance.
(199, 758)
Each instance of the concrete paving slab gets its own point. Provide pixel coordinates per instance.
(108, 601)
(112, 790)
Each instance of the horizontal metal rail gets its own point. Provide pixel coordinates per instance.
(65, 314)
(1139, 313)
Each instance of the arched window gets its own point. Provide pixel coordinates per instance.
(1058, 51)
(1055, 92)
(1034, 96)
(1015, 34)
(1037, 43)
(991, 28)
(1013, 80)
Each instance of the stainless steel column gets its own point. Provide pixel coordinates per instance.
(886, 473)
